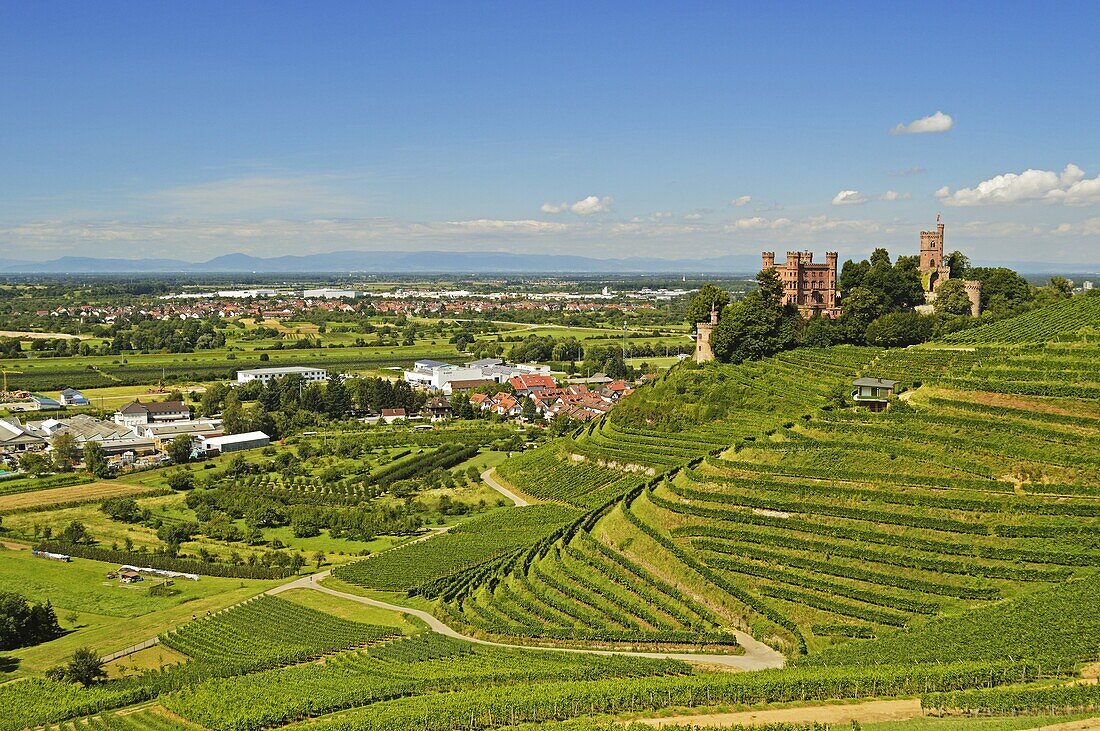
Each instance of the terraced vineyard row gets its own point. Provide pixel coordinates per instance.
(549, 473)
(471, 544)
(508, 705)
(268, 631)
(425, 664)
(1073, 319)
(815, 522)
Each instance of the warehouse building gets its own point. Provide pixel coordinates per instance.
(264, 375)
(232, 442)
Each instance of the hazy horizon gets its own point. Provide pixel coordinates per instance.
(687, 131)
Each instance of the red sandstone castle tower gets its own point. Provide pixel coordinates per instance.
(810, 287)
(934, 270)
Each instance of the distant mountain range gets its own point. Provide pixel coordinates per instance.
(426, 262)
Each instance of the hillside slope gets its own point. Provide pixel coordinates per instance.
(757, 498)
(1077, 318)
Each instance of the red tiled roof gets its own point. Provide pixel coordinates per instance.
(525, 382)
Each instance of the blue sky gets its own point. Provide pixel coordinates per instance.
(607, 129)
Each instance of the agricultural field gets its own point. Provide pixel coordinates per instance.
(1073, 319)
(342, 493)
(471, 544)
(944, 551)
(100, 612)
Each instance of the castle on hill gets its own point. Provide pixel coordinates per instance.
(812, 287)
(934, 270)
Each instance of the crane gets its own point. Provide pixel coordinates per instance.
(6, 372)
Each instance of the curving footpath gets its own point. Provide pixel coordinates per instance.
(758, 656)
(487, 476)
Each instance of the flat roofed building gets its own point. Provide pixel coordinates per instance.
(468, 385)
(234, 442)
(264, 375)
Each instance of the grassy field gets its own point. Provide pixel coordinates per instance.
(350, 610)
(100, 612)
(71, 495)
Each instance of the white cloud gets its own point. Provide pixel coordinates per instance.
(938, 122)
(849, 198)
(693, 216)
(1088, 227)
(592, 205)
(662, 214)
(1069, 187)
(589, 206)
(491, 225)
(758, 222)
(743, 200)
(893, 195)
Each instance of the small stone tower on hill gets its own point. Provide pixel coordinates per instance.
(974, 292)
(703, 330)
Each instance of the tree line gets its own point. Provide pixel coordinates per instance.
(877, 298)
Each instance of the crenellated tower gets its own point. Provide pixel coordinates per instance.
(933, 268)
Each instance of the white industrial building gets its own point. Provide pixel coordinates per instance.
(436, 375)
(232, 442)
(309, 375)
(332, 294)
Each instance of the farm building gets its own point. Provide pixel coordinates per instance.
(391, 415)
(162, 434)
(35, 402)
(264, 375)
(136, 413)
(233, 442)
(72, 397)
(15, 438)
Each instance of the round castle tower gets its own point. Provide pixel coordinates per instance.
(703, 330)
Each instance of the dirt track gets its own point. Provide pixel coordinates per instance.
(758, 656)
(869, 712)
(37, 336)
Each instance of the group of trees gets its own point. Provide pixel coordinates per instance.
(23, 623)
(277, 404)
(877, 301)
(173, 336)
(756, 326)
